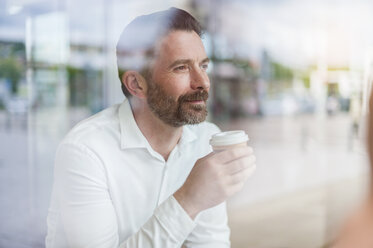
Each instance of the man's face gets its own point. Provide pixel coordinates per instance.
(179, 85)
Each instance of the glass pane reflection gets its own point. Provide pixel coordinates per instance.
(294, 74)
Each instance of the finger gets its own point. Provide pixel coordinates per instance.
(239, 164)
(242, 176)
(234, 188)
(233, 154)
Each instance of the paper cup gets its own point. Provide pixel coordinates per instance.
(227, 140)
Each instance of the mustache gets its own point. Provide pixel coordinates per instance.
(196, 96)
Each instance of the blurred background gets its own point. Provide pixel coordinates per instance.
(294, 74)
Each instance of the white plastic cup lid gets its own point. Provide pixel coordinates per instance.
(229, 138)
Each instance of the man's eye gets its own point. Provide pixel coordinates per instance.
(181, 68)
(205, 67)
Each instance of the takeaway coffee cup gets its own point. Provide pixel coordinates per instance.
(225, 140)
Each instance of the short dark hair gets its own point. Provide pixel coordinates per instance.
(138, 39)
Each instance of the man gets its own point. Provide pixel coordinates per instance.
(140, 174)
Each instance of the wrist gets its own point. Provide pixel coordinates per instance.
(186, 203)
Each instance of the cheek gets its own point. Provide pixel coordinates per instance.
(177, 85)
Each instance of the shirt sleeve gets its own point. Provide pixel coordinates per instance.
(212, 229)
(87, 213)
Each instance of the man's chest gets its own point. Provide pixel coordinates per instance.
(135, 177)
(138, 183)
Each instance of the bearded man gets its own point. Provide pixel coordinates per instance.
(141, 173)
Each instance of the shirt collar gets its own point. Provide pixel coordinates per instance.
(187, 136)
(131, 135)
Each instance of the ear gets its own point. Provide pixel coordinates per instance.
(135, 83)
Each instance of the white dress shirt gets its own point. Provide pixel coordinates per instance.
(111, 189)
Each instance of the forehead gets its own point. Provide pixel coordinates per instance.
(181, 45)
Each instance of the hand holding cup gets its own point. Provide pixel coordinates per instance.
(218, 175)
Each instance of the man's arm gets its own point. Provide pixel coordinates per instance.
(212, 229)
(88, 215)
(212, 180)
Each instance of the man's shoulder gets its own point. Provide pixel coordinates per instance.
(94, 126)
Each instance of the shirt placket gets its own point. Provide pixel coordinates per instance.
(165, 175)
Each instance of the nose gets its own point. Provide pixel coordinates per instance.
(199, 80)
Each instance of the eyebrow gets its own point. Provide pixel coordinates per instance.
(186, 61)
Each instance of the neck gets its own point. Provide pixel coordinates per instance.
(162, 137)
